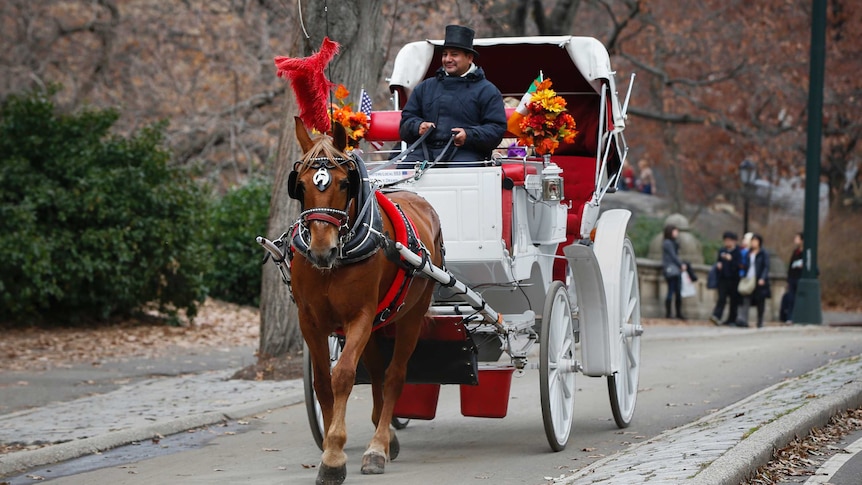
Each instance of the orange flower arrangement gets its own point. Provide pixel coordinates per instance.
(546, 122)
(354, 122)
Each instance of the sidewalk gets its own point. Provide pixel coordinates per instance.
(136, 412)
(729, 445)
(740, 437)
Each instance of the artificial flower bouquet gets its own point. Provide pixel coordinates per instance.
(546, 122)
(354, 122)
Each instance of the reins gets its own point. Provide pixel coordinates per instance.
(421, 167)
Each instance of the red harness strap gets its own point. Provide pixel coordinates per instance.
(397, 292)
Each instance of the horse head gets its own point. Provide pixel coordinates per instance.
(326, 182)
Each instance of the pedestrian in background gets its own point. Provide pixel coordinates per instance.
(743, 251)
(672, 267)
(757, 261)
(794, 274)
(646, 182)
(627, 181)
(728, 264)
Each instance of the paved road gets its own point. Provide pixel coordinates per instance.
(688, 374)
(29, 389)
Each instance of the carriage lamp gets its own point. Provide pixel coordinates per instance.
(552, 182)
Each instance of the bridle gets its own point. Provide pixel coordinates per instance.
(355, 238)
(322, 179)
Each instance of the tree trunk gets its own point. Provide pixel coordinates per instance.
(355, 26)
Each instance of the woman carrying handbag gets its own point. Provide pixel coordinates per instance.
(757, 268)
(672, 268)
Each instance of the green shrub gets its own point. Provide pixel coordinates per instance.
(642, 229)
(93, 225)
(234, 221)
(710, 249)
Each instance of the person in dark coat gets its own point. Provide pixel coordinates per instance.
(672, 267)
(758, 262)
(458, 100)
(728, 264)
(794, 274)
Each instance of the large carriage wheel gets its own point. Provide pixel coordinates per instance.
(623, 385)
(557, 366)
(315, 415)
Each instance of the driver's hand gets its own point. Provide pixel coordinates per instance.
(460, 136)
(425, 126)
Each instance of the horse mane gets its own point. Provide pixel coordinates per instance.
(322, 148)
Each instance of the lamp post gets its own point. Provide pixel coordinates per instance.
(807, 308)
(747, 174)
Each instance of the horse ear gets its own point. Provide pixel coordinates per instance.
(302, 135)
(339, 136)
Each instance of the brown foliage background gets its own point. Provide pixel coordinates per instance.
(718, 81)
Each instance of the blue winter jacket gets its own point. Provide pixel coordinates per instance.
(730, 269)
(470, 102)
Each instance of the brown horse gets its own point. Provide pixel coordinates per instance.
(334, 293)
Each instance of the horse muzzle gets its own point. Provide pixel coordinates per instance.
(324, 243)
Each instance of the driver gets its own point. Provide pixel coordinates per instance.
(458, 100)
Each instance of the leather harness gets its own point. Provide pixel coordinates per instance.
(363, 238)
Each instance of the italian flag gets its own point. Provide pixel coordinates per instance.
(514, 122)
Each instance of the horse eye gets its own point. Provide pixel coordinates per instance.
(344, 185)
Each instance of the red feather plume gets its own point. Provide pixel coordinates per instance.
(310, 84)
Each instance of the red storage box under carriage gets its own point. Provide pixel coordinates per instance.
(418, 401)
(490, 399)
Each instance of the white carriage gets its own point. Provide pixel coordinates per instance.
(530, 264)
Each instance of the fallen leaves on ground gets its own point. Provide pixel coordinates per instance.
(217, 325)
(795, 459)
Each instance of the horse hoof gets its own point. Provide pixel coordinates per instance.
(394, 447)
(373, 464)
(328, 475)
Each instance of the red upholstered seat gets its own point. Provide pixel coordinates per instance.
(516, 173)
(578, 185)
(384, 126)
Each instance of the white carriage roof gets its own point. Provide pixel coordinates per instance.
(576, 65)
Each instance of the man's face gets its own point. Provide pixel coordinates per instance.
(456, 62)
(729, 243)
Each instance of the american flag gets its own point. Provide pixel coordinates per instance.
(365, 107)
(365, 103)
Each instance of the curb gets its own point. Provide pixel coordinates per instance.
(743, 460)
(22, 461)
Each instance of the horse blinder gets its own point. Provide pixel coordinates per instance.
(294, 191)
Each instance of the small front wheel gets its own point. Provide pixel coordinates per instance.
(399, 423)
(557, 366)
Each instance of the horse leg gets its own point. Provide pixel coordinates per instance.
(318, 349)
(376, 367)
(333, 466)
(384, 443)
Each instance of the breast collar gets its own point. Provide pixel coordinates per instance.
(358, 242)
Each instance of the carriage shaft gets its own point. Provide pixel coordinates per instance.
(446, 279)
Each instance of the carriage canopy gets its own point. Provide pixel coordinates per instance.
(578, 67)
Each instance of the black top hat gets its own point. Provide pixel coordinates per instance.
(459, 37)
